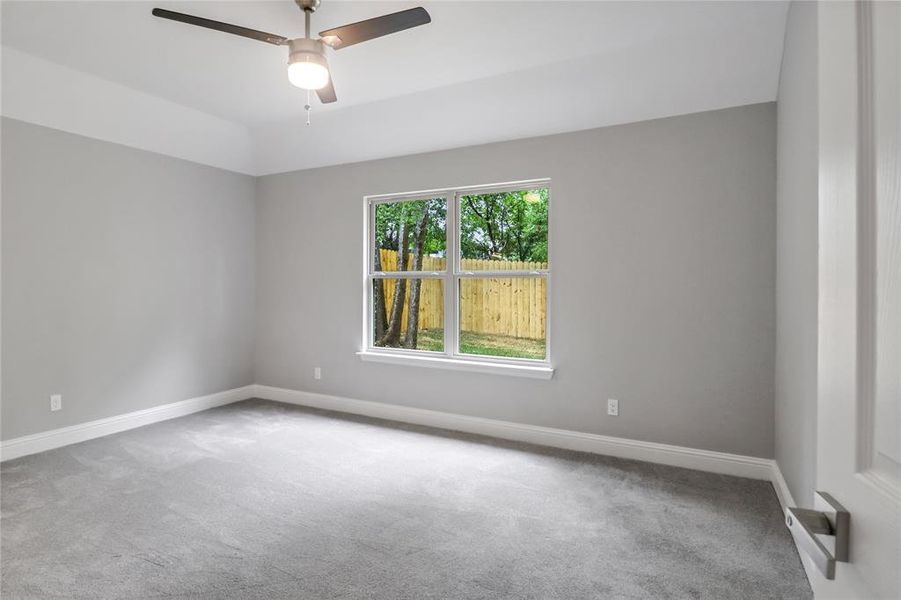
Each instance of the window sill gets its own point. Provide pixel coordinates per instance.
(533, 372)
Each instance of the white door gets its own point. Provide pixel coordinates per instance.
(859, 363)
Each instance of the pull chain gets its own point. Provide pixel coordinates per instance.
(307, 107)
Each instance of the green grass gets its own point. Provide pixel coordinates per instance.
(484, 344)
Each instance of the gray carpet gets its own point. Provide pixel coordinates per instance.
(264, 500)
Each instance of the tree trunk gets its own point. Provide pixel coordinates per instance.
(488, 220)
(380, 316)
(416, 284)
(392, 331)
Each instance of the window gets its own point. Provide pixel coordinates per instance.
(460, 276)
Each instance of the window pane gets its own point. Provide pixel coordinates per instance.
(393, 303)
(504, 230)
(412, 230)
(503, 316)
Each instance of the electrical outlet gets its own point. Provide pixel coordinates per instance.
(317, 373)
(56, 402)
(612, 407)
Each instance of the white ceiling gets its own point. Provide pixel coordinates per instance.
(480, 72)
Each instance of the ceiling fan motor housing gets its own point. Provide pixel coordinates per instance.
(306, 50)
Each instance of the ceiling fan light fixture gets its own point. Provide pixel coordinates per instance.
(308, 75)
(307, 66)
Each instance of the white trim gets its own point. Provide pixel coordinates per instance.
(782, 492)
(538, 371)
(452, 283)
(677, 456)
(56, 438)
(785, 501)
(490, 187)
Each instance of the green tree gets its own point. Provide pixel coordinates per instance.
(505, 226)
(414, 230)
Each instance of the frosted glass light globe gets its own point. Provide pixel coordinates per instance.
(308, 75)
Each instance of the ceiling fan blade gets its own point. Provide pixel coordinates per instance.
(262, 36)
(327, 93)
(362, 31)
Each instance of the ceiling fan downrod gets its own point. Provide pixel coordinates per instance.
(308, 7)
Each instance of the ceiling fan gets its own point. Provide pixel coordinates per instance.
(307, 64)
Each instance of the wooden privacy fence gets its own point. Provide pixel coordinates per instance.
(514, 306)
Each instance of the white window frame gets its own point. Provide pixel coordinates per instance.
(451, 358)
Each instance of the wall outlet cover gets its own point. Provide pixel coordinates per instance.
(613, 407)
(56, 402)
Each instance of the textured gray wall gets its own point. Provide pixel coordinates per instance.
(663, 292)
(797, 262)
(128, 279)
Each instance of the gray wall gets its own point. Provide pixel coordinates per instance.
(663, 290)
(128, 279)
(796, 280)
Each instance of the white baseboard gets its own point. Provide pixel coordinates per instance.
(786, 500)
(782, 491)
(55, 438)
(678, 456)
